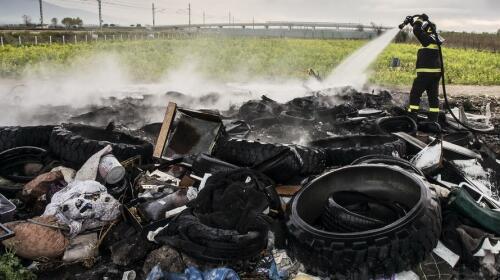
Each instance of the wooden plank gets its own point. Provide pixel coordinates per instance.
(165, 129)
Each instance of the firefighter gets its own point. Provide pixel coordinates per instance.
(428, 68)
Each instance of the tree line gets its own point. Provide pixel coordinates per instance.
(67, 22)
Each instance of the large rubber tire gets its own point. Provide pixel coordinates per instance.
(367, 254)
(345, 149)
(250, 153)
(17, 136)
(74, 144)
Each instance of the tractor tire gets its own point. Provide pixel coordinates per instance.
(367, 254)
(74, 144)
(345, 149)
(17, 136)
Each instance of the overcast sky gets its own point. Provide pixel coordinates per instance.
(458, 15)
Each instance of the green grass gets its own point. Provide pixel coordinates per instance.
(464, 67)
(221, 58)
(237, 59)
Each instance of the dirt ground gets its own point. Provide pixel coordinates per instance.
(457, 90)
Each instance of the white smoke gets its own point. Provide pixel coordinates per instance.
(91, 78)
(353, 71)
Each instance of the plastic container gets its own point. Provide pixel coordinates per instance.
(7, 210)
(110, 169)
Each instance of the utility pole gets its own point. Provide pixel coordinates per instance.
(153, 6)
(41, 11)
(229, 17)
(189, 9)
(253, 22)
(203, 17)
(100, 13)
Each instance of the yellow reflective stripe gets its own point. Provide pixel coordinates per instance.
(418, 19)
(431, 46)
(413, 108)
(429, 70)
(434, 110)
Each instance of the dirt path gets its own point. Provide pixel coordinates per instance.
(461, 90)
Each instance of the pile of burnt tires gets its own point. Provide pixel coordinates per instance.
(354, 223)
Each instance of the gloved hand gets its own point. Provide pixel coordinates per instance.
(424, 17)
(409, 19)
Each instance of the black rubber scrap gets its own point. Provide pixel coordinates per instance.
(76, 143)
(17, 136)
(343, 150)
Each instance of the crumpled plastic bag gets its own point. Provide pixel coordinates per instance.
(83, 205)
(192, 273)
(81, 248)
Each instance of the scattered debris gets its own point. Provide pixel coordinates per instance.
(339, 184)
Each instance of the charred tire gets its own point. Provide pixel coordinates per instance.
(17, 136)
(345, 149)
(74, 144)
(250, 153)
(255, 109)
(187, 234)
(387, 125)
(294, 117)
(13, 161)
(339, 111)
(390, 160)
(366, 254)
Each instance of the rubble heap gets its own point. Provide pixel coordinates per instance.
(341, 186)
